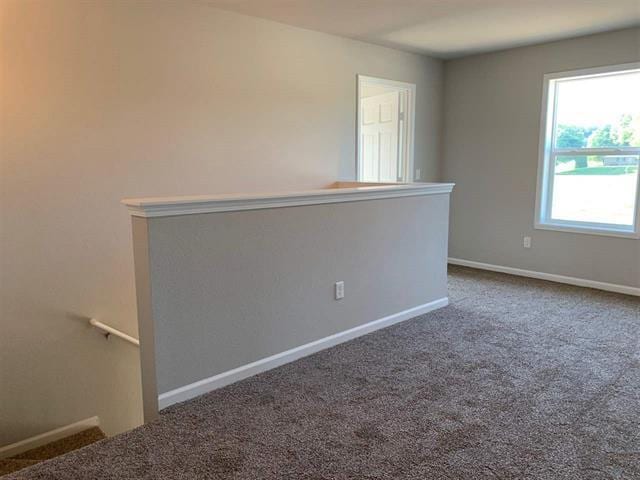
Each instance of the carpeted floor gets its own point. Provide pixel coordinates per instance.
(51, 450)
(516, 379)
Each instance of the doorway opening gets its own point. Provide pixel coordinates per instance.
(385, 130)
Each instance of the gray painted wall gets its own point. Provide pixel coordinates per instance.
(106, 100)
(492, 121)
(228, 289)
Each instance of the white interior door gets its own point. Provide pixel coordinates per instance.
(379, 144)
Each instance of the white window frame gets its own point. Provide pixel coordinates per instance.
(406, 139)
(548, 152)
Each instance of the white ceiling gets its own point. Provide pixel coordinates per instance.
(446, 28)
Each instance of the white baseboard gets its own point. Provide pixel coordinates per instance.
(580, 282)
(226, 378)
(47, 437)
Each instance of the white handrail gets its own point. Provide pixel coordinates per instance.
(112, 331)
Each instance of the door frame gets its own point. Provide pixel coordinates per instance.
(406, 135)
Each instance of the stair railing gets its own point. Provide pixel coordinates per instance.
(109, 330)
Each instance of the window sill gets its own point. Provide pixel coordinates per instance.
(607, 232)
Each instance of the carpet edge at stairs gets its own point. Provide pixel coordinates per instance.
(51, 450)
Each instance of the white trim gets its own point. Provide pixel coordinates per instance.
(226, 378)
(47, 437)
(385, 81)
(593, 71)
(410, 118)
(547, 154)
(589, 229)
(168, 206)
(580, 282)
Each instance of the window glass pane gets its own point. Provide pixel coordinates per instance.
(596, 189)
(601, 111)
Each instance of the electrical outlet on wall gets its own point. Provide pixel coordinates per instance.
(339, 290)
(526, 243)
(417, 174)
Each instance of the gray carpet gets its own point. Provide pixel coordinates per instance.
(516, 379)
(51, 450)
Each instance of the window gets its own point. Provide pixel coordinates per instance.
(385, 130)
(590, 151)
